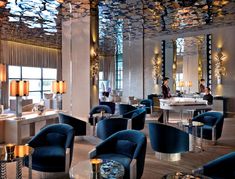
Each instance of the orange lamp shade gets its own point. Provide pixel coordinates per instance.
(19, 88)
(190, 84)
(3, 73)
(59, 87)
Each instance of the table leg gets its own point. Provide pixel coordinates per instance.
(165, 116)
(201, 139)
(3, 170)
(30, 167)
(19, 165)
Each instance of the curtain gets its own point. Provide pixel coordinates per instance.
(13, 53)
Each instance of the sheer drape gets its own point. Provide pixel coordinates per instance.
(13, 53)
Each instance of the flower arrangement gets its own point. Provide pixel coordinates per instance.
(39, 108)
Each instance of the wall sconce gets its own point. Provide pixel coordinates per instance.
(156, 68)
(94, 65)
(181, 85)
(189, 85)
(18, 89)
(59, 88)
(220, 70)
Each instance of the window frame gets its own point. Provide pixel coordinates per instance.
(41, 79)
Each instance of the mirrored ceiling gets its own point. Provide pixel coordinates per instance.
(39, 21)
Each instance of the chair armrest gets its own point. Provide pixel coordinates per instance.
(214, 133)
(133, 169)
(129, 123)
(198, 171)
(67, 160)
(88, 129)
(92, 153)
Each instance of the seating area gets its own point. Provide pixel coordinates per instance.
(117, 89)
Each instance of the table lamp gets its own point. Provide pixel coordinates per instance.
(19, 88)
(2, 79)
(59, 88)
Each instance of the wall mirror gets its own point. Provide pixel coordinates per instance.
(186, 61)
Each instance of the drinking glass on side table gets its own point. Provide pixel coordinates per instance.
(194, 126)
(108, 169)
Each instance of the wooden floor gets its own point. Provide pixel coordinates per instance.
(154, 168)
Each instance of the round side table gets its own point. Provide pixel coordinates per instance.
(109, 168)
(20, 152)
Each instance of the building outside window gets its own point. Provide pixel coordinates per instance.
(40, 79)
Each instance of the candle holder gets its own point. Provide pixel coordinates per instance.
(10, 148)
(95, 164)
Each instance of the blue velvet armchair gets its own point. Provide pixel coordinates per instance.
(213, 125)
(98, 109)
(148, 105)
(53, 148)
(112, 105)
(220, 168)
(127, 147)
(169, 142)
(81, 128)
(125, 108)
(137, 118)
(107, 127)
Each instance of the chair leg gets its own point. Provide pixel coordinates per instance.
(67, 160)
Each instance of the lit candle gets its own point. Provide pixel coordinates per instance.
(95, 163)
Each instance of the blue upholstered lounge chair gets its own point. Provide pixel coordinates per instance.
(148, 105)
(168, 142)
(125, 108)
(127, 147)
(53, 148)
(112, 105)
(137, 117)
(98, 109)
(220, 168)
(107, 127)
(81, 128)
(213, 125)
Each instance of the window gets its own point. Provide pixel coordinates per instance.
(119, 56)
(40, 79)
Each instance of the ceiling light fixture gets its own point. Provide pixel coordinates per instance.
(3, 3)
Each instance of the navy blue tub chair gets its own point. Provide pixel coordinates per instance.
(168, 142)
(127, 147)
(219, 168)
(125, 108)
(81, 128)
(148, 105)
(137, 118)
(98, 109)
(112, 105)
(107, 127)
(53, 148)
(213, 125)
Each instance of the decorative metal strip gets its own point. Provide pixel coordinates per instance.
(163, 58)
(209, 59)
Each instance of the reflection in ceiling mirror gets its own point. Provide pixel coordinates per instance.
(186, 63)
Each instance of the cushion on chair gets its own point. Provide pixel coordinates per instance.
(48, 159)
(123, 159)
(125, 147)
(55, 139)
